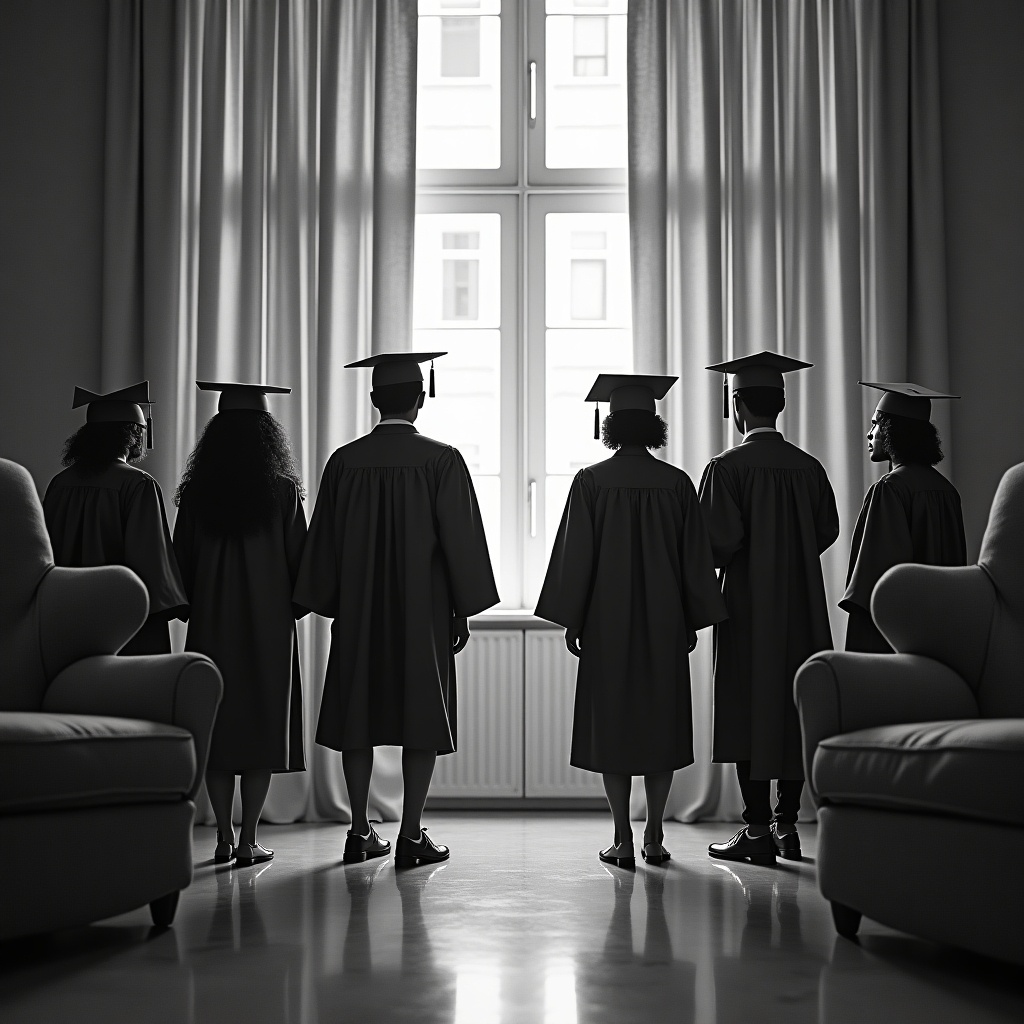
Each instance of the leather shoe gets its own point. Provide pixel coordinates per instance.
(743, 846)
(225, 851)
(360, 848)
(249, 854)
(655, 853)
(787, 845)
(409, 853)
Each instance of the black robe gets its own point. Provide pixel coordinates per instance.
(631, 571)
(770, 512)
(241, 615)
(912, 514)
(114, 515)
(396, 551)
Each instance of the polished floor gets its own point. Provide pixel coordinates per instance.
(524, 924)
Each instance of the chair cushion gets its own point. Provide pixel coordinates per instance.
(50, 761)
(971, 769)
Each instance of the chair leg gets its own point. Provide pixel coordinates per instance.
(163, 909)
(847, 920)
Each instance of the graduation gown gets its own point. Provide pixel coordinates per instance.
(241, 615)
(912, 514)
(770, 513)
(631, 571)
(396, 551)
(114, 515)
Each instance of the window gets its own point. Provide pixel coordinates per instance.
(522, 251)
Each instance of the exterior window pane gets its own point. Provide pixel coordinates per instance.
(461, 290)
(585, 91)
(460, 47)
(590, 47)
(458, 103)
(588, 289)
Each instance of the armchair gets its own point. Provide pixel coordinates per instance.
(916, 759)
(100, 756)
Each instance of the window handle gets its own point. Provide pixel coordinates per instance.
(532, 500)
(531, 71)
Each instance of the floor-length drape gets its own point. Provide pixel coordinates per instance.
(260, 189)
(785, 193)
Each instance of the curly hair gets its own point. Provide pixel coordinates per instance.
(907, 440)
(232, 475)
(95, 444)
(634, 426)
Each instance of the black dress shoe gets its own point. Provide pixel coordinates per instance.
(787, 845)
(360, 848)
(225, 851)
(743, 846)
(410, 853)
(655, 853)
(610, 857)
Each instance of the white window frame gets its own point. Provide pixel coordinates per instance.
(522, 191)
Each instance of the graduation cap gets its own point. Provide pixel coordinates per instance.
(760, 370)
(910, 400)
(399, 368)
(627, 391)
(242, 396)
(124, 406)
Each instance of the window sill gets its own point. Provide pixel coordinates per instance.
(510, 618)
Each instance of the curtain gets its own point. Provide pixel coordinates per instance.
(785, 192)
(260, 190)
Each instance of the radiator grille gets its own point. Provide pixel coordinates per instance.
(550, 689)
(489, 761)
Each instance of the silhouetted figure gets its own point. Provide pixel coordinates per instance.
(770, 512)
(397, 556)
(912, 514)
(101, 510)
(631, 579)
(239, 537)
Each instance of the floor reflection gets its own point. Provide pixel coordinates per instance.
(523, 925)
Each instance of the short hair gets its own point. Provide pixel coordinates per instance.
(97, 443)
(763, 401)
(906, 440)
(634, 426)
(395, 398)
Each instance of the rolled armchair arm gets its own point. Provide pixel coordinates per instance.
(84, 612)
(838, 693)
(941, 612)
(176, 689)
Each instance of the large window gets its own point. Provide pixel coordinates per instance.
(522, 251)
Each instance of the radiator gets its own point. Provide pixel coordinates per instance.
(489, 761)
(550, 689)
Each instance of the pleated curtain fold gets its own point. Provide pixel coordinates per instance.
(260, 191)
(785, 192)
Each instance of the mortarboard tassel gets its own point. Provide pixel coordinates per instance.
(597, 422)
(431, 378)
(149, 433)
(725, 395)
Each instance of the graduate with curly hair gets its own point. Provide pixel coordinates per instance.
(103, 510)
(239, 538)
(912, 514)
(631, 578)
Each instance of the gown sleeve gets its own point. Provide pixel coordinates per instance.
(461, 533)
(149, 553)
(703, 604)
(184, 550)
(723, 514)
(293, 517)
(881, 540)
(316, 585)
(566, 592)
(826, 522)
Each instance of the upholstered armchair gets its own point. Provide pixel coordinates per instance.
(100, 756)
(916, 759)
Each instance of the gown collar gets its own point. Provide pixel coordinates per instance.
(763, 435)
(395, 427)
(631, 451)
